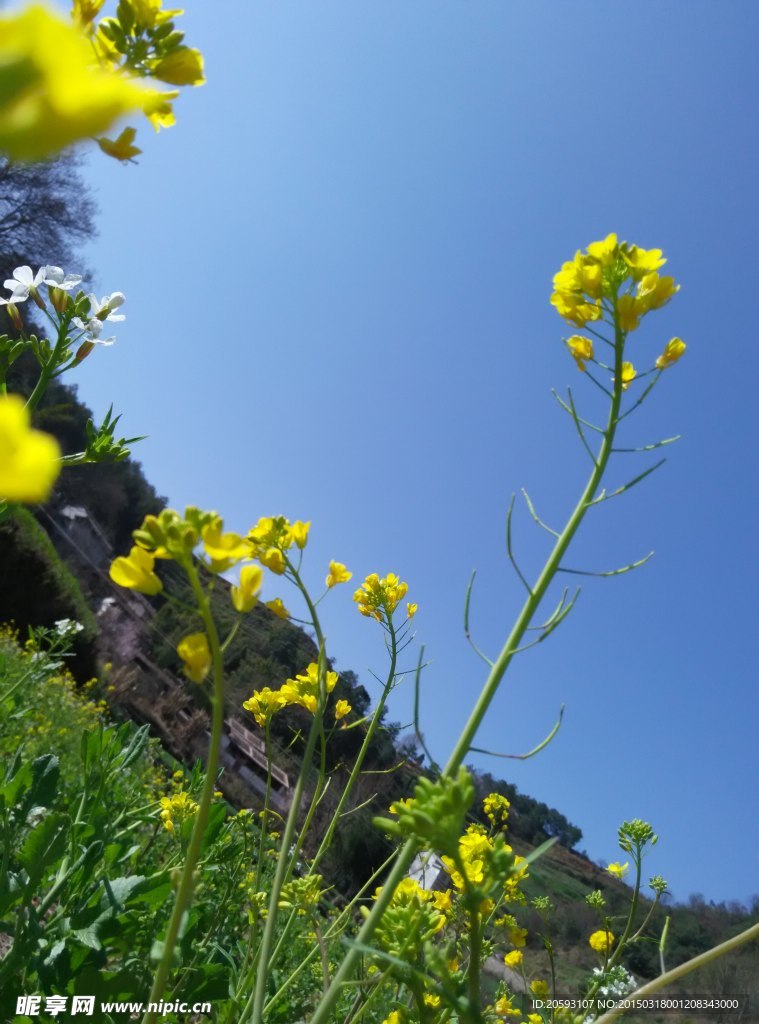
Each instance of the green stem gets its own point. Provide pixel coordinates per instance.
(325, 843)
(493, 681)
(187, 880)
(681, 971)
(48, 369)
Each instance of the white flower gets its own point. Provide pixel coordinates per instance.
(103, 310)
(55, 278)
(66, 626)
(24, 282)
(92, 329)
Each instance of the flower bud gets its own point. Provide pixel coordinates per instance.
(34, 294)
(83, 351)
(15, 316)
(59, 299)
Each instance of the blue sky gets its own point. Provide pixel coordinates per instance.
(337, 268)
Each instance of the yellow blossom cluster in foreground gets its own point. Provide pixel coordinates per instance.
(29, 459)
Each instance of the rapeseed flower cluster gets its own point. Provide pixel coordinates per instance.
(176, 808)
(616, 280)
(486, 865)
(496, 808)
(379, 597)
(302, 691)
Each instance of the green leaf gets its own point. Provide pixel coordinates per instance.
(44, 846)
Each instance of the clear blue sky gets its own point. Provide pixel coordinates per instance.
(337, 269)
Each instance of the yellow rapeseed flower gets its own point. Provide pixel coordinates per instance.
(342, 708)
(617, 870)
(299, 533)
(276, 607)
(673, 350)
(304, 688)
(337, 574)
(539, 989)
(514, 958)
(29, 459)
(504, 1008)
(135, 571)
(183, 66)
(601, 941)
(274, 560)
(379, 598)
(628, 375)
(223, 549)
(581, 349)
(121, 148)
(265, 703)
(245, 596)
(196, 655)
(54, 92)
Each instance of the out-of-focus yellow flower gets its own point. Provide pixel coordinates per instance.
(342, 708)
(274, 560)
(122, 148)
(183, 66)
(430, 999)
(617, 870)
(135, 571)
(196, 655)
(265, 703)
(245, 596)
(496, 807)
(629, 374)
(514, 958)
(299, 533)
(159, 109)
(518, 937)
(539, 989)
(393, 1018)
(54, 92)
(504, 1008)
(411, 609)
(581, 349)
(29, 459)
(673, 350)
(223, 549)
(177, 807)
(85, 11)
(148, 13)
(337, 574)
(276, 607)
(601, 941)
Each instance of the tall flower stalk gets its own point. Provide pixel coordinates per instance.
(611, 283)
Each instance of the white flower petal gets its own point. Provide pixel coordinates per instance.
(115, 300)
(23, 275)
(53, 275)
(116, 317)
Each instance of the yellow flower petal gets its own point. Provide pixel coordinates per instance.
(29, 459)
